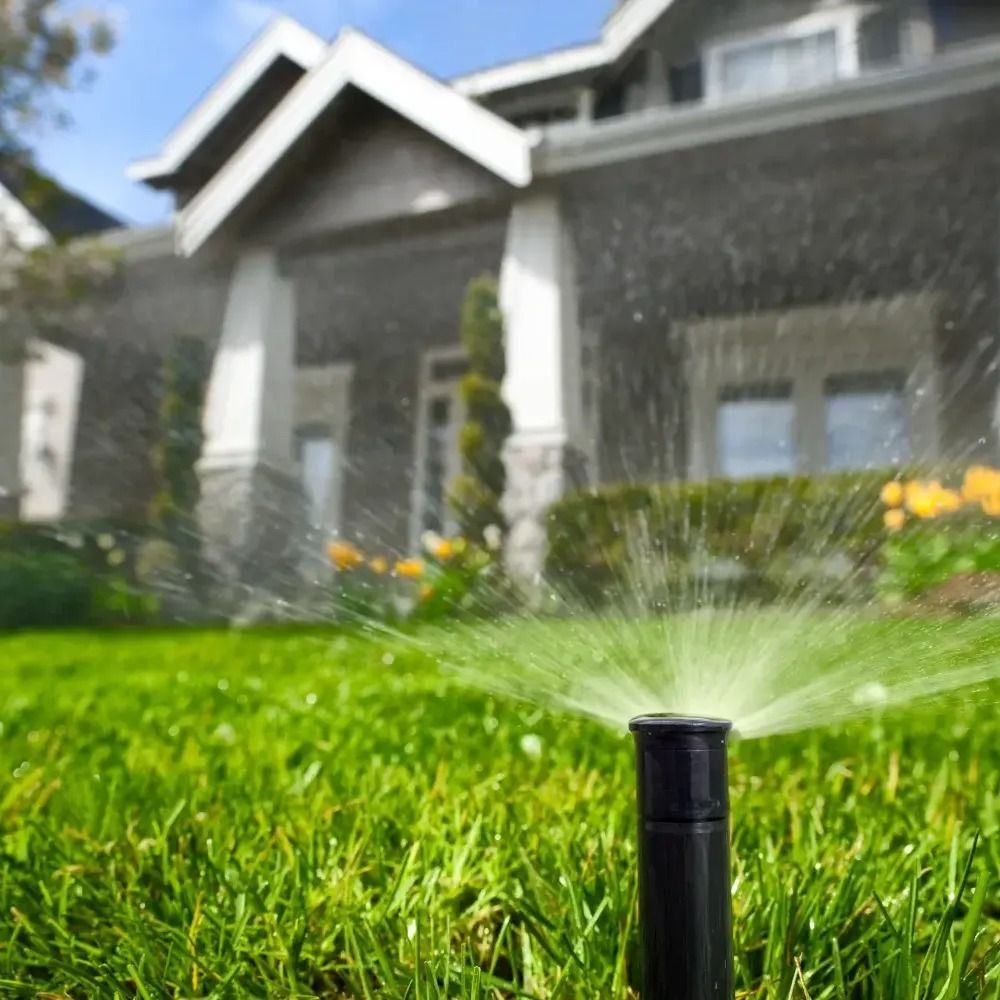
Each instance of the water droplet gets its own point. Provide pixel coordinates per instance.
(223, 685)
(311, 698)
(531, 744)
(388, 659)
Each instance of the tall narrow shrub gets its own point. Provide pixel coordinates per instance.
(477, 493)
(174, 506)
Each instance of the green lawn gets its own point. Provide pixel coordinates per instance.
(282, 815)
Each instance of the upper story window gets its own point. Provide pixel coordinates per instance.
(808, 52)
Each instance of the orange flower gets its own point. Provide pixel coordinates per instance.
(981, 483)
(892, 494)
(379, 566)
(894, 519)
(444, 549)
(410, 569)
(345, 556)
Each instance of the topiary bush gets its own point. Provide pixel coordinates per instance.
(176, 452)
(762, 537)
(477, 493)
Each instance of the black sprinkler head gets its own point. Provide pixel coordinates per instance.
(685, 906)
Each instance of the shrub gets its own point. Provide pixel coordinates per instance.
(70, 575)
(937, 533)
(477, 493)
(762, 537)
(44, 590)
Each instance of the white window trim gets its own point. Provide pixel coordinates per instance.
(323, 399)
(845, 21)
(429, 388)
(839, 339)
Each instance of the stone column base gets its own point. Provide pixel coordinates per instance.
(538, 474)
(252, 522)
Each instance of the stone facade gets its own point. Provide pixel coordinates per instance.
(252, 526)
(861, 209)
(538, 474)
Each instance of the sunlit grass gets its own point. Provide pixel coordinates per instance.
(211, 814)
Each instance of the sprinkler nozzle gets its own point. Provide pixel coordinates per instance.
(685, 905)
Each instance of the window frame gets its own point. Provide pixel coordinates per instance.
(845, 22)
(323, 402)
(758, 390)
(883, 382)
(429, 389)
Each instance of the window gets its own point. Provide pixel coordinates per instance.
(756, 431)
(436, 464)
(782, 64)
(438, 428)
(866, 421)
(814, 50)
(319, 467)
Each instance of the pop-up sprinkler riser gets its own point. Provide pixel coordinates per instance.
(685, 906)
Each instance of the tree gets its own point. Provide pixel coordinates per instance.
(43, 50)
(478, 492)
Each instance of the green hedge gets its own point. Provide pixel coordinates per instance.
(774, 535)
(70, 575)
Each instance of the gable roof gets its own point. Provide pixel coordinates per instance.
(623, 28)
(355, 60)
(283, 38)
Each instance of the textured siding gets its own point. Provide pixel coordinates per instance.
(373, 168)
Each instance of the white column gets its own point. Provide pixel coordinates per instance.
(538, 296)
(248, 409)
(251, 509)
(11, 404)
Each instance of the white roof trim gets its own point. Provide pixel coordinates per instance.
(570, 147)
(18, 225)
(564, 62)
(354, 59)
(621, 30)
(282, 37)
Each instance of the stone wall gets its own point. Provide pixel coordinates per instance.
(850, 211)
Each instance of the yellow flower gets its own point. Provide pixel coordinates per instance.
(345, 556)
(379, 566)
(892, 494)
(948, 501)
(931, 499)
(426, 592)
(981, 483)
(894, 519)
(444, 549)
(410, 569)
(991, 506)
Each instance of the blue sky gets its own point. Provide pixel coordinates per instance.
(170, 52)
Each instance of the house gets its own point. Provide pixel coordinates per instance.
(733, 238)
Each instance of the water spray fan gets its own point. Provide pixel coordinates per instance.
(685, 905)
